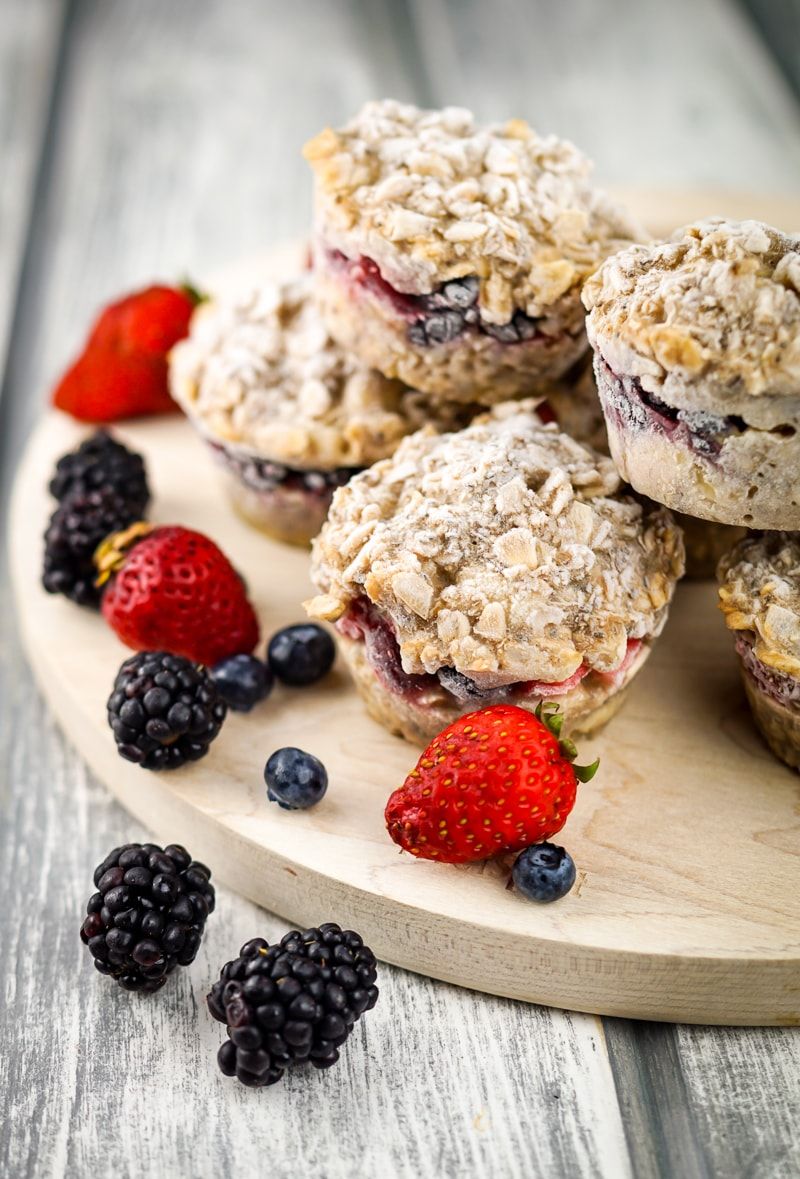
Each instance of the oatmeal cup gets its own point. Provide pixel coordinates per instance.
(759, 594)
(452, 255)
(498, 563)
(697, 356)
(573, 403)
(286, 414)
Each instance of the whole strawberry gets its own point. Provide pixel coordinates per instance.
(494, 781)
(171, 589)
(122, 372)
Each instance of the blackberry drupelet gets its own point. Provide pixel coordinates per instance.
(164, 710)
(76, 528)
(292, 1003)
(148, 914)
(100, 461)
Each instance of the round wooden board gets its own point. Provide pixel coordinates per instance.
(687, 841)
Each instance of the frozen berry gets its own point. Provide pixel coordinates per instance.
(543, 872)
(302, 654)
(242, 681)
(295, 780)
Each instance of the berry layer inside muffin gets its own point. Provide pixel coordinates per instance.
(631, 407)
(448, 313)
(777, 685)
(365, 622)
(263, 475)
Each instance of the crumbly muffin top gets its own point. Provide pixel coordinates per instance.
(720, 300)
(431, 196)
(503, 550)
(760, 592)
(261, 372)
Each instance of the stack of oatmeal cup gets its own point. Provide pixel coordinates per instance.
(422, 401)
(448, 261)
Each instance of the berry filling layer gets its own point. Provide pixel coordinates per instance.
(263, 475)
(782, 688)
(365, 622)
(632, 408)
(449, 312)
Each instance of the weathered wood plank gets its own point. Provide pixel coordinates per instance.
(657, 94)
(28, 47)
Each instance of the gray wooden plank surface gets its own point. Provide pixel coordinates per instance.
(658, 94)
(175, 147)
(28, 49)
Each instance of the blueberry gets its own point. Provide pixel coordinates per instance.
(461, 292)
(301, 654)
(295, 780)
(543, 872)
(242, 680)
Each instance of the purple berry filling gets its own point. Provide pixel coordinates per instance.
(450, 311)
(365, 622)
(782, 688)
(633, 408)
(264, 475)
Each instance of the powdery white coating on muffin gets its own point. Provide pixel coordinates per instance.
(504, 551)
(708, 319)
(431, 196)
(759, 592)
(261, 373)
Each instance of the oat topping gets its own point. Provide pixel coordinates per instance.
(504, 551)
(720, 300)
(760, 592)
(431, 196)
(262, 373)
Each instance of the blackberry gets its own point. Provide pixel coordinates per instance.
(100, 461)
(76, 528)
(292, 1003)
(148, 913)
(164, 710)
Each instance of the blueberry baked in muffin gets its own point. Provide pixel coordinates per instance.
(451, 255)
(697, 356)
(288, 416)
(498, 563)
(759, 594)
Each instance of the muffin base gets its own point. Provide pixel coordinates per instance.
(747, 483)
(294, 517)
(472, 367)
(586, 708)
(291, 507)
(777, 724)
